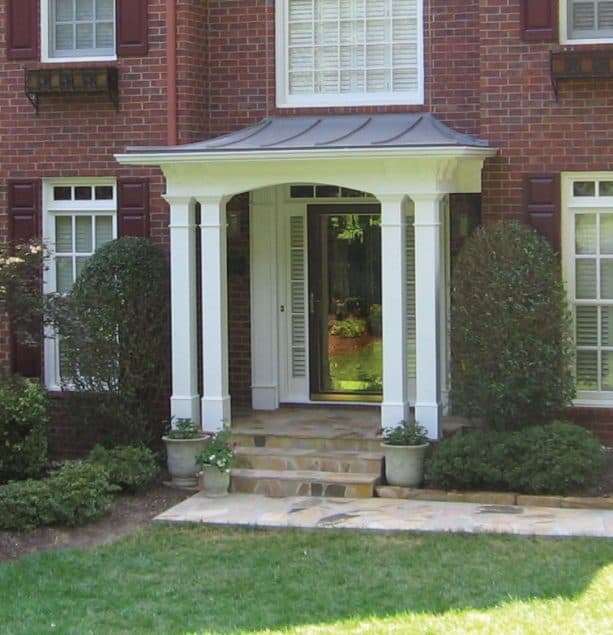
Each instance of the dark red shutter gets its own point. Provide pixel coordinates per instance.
(22, 29)
(133, 208)
(24, 224)
(539, 20)
(131, 27)
(542, 205)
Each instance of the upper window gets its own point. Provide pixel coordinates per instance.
(588, 20)
(349, 52)
(83, 29)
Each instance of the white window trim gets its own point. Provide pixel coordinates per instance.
(49, 208)
(45, 44)
(285, 100)
(569, 203)
(564, 30)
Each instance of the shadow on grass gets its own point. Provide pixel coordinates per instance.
(195, 579)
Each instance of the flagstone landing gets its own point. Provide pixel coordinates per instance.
(388, 515)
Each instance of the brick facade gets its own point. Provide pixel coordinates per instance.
(481, 78)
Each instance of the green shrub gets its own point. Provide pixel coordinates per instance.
(79, 492)
(128, 467)
(23, 428)
(74, 495)
(25, 504)
(351, 327)
(114, 326)
(557, 458)
(511, 342)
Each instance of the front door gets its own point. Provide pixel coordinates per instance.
(345, 341)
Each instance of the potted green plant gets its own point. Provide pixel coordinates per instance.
(404, 447)
(214, 461)
(184, 441)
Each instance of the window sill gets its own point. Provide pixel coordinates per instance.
(77, 59)
(351, 99)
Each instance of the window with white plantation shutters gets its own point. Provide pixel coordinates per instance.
(81, 28)
(333, 52)
(297, 292)
(590, 232)
(78, 218)
(589, 19)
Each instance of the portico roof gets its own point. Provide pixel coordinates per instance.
(388, 134)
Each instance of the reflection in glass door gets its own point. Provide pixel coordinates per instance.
(345, 301)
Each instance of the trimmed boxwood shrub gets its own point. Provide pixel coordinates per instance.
(23, 428)
(74, 495)
(511, 341)
(557, 458)
(115, 332)
(128, 467)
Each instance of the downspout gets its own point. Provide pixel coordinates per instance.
(171, 71)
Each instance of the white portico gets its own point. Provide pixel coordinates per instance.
(407, 163)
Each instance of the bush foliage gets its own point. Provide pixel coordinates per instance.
(557, 458)
(114, 330)
(128, 467)
(74, 495)
(511, 341)
(23, 428)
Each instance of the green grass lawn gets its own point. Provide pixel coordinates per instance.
(197, 580)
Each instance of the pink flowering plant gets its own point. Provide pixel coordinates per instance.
(21, 267)
(218, 451)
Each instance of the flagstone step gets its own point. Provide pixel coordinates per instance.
(343, 461)
(303, 483)
(255, 437)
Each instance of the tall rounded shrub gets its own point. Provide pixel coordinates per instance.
(23, 428)
(511, 342)
(114, 338)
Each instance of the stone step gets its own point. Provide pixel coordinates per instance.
(343, 461)
(286, 439)
(279, 483)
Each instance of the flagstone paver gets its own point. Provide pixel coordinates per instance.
(386, 514)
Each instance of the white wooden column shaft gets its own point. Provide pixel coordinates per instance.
(395, 406)
(184, 401)
(427, 294)
(216, 397)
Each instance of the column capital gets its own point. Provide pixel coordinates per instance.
(428, 197)
(175, 200)
(391, 198)
(211, 199)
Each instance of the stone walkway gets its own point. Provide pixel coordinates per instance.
(381, 514)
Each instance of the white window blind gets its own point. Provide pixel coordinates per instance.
(81, 27)
(339, 48)
(590, 19)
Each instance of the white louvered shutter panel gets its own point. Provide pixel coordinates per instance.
(297, 275)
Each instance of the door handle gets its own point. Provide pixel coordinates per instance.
(312, 302)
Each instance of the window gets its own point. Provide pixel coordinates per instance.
(349, 52)
(588, 262)
(83, 29)
(78, 218)
(587, 20)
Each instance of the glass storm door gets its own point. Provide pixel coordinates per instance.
(345, 302)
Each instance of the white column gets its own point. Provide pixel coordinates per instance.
(395, 406)
(184, 402)
(427, 290)
(216, 397)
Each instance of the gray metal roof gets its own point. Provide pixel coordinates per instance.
(414, 130)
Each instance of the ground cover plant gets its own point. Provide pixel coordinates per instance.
(201, 580)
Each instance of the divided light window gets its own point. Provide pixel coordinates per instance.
(590, 19)
(591, 270)
(81, 28)
(339, 52)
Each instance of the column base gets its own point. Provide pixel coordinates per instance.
(393, 413)
(215, 413)
(185, 407)
(429, 416)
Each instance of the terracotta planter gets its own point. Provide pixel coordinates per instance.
(404, 464)
(181, 457)
(213, 482)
